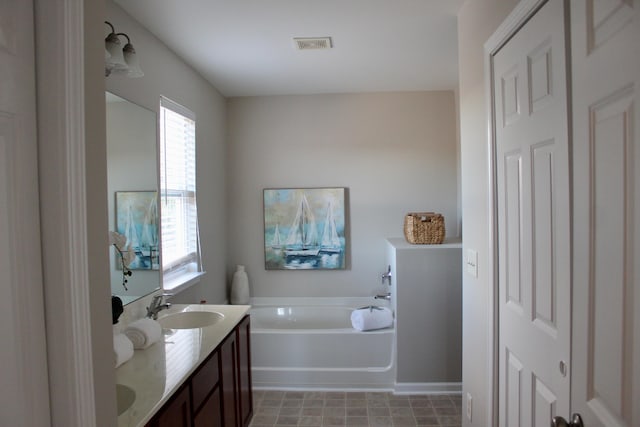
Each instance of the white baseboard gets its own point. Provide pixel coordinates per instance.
(428, 388)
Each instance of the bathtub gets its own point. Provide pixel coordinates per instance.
(308, 343)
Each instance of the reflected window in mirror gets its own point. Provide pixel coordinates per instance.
(132, 184)
(181, 262)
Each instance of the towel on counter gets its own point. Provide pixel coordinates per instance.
(143, 333)
(370, 318)
(122, 348)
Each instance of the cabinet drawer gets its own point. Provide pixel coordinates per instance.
(204, 380)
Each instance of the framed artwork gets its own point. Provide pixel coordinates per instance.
(137, 220)
(304, 228)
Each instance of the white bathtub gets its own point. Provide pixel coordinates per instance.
(308, 343)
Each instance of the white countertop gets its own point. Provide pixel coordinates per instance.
(157, 372)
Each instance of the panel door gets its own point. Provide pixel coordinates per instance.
(210, 415)
(605, 386)
(229, 381)
(245, 392)
(24, 396)
(532, 187)
(177, 413)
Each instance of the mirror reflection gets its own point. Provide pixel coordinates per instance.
(132, 175)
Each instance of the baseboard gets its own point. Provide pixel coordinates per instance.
(428, 388)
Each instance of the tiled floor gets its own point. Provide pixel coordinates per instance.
(289, 408)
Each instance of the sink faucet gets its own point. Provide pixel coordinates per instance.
(386, 296)
(157, 305)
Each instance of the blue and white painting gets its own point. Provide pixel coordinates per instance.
(304, 229)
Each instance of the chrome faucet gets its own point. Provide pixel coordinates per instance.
(386, 296)
(157, 305)
(387, 276)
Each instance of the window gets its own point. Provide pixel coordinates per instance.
(181, 263)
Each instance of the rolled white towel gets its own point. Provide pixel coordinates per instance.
(143, 333)
(369, 318)
(122, 348)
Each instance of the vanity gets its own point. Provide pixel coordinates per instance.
(198, 375)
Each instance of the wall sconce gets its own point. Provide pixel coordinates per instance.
(120, 60)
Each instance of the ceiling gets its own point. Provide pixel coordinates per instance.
(246, 47)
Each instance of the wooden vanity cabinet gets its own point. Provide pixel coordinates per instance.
(219, 393)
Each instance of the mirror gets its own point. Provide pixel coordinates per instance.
(132, 175)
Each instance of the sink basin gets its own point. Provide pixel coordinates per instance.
(125, 397)
(190, 319)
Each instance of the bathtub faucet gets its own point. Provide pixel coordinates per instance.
(386, 296)
(387, 276)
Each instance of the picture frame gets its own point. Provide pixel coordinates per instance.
(305, 228)
(137, 220)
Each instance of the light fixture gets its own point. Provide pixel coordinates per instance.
(131, 59)
(119, 60)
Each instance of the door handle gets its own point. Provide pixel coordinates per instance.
(576, 421)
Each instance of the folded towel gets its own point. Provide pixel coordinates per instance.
(143, 333)
(369, 318)
(122, 348)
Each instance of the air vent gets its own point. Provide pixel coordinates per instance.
(306, 43)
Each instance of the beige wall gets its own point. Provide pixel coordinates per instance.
(477, 20)
(167, 74)
(395, 152)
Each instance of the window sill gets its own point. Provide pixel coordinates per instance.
(176, 283)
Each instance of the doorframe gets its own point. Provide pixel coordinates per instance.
(64, 271)
(81, 378)
(522, 12)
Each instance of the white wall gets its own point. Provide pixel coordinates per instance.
(395, 152)
(167, 74)
(477, 20)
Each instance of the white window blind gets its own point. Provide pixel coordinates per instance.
(179, 212)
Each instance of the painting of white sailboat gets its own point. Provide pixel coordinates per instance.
(330, 241)
(137, 220)
(304, 228)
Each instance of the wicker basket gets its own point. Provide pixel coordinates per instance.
(424, 228)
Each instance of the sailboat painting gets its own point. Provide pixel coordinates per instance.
(137, 220)
(304, 228)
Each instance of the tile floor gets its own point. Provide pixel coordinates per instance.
(293, 408)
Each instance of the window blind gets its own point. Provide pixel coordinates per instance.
(179, 212)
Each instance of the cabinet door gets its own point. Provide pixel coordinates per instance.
(229, 380)
(245, 394)
(204, 381)
(210, 415)
(177, 413)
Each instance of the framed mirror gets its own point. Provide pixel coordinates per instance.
(132, 174)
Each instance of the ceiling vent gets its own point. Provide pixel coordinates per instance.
(307, 43)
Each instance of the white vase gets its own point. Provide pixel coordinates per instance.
(240, 287)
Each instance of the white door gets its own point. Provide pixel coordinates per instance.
(605, 386)
(24, 396)
(533, 205)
